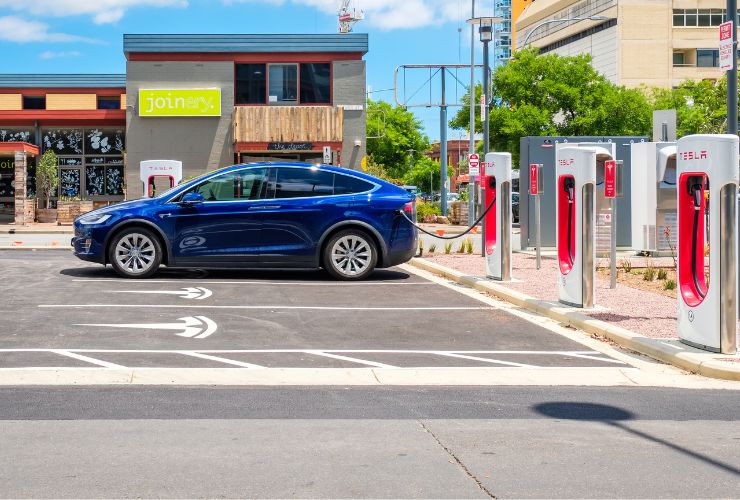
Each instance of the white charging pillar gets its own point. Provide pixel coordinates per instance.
(575, 176)
(497, 184)
(707, 169)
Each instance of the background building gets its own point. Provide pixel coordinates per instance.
(271, 97)
(79, 117)
(656, 43)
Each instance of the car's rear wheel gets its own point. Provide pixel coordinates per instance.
(350, 255)
(135, 253)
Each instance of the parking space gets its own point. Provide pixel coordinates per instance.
(60, 312)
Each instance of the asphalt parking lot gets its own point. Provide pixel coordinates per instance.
(62, 312)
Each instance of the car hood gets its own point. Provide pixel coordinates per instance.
(126, 205)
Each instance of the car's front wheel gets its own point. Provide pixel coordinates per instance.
(350, 255)
(135, 253)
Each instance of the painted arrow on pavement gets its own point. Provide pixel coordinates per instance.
(198, 293)
(196, 327)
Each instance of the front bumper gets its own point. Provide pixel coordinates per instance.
(86, 247)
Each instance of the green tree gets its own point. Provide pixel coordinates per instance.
(701, 107)
(537, 95)
(426, 173)
(394, 131)
(47, 177)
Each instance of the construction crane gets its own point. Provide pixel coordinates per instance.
(348, 16)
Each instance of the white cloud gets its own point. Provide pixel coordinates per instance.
(48, 54)
(390, 14)
(101, 11)
(16, 29)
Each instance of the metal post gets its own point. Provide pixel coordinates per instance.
(472, 194)
(732, 74)
(485, 131)
(613, 249)
(537, 232)
(443, 148)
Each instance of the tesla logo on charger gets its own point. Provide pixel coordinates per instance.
(566, 163)
(693, 155)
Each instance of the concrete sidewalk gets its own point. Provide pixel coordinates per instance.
(35, 237)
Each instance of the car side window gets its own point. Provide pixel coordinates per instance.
(345, 184)
(240, 185)
(303, 183)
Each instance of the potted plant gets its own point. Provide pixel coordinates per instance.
(47, 181)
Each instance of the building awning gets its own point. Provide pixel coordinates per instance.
(19, 147)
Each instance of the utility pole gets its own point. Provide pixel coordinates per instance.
(472, 190)
(732, 73)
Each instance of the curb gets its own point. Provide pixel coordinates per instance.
(36, 247)
(693, 360)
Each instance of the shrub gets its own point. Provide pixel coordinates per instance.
(463, 246)
(626, 265)
(669, 285)
(432, 248)
(425, 211)
(469, 244)
(662, 274)
(421, 247)
(649, 274)
(448, 248)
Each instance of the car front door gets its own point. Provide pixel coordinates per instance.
(223, 228)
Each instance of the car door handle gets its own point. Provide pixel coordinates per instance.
(164, 216)
(265, 207)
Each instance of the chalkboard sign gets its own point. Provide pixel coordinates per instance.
(62, 141)
(289, 146)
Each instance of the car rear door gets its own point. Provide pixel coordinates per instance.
(299, 207)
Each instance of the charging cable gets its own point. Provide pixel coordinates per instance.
(477, 221)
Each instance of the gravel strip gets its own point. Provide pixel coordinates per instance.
(642, 312)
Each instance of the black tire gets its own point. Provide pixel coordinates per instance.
(350, 255)
(144, 257)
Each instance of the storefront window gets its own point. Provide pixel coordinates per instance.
(283, 83)
(251, 83)
(104, 142)
(316, 83)
(114, 181)
(16, 135)
(62, 142)
(69, 182)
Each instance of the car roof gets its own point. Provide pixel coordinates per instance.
(329, 168)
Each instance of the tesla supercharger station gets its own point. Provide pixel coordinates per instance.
(497, 186)
(576, 223)
(150, 170)
(707, 167)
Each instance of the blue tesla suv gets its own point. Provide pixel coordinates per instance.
(260, 215)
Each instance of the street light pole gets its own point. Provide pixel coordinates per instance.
(472, 191)
(732, 73)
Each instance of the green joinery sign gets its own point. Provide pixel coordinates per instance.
(180, 102)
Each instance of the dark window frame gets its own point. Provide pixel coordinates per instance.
(267, 83)
(264, 98)
(28, 98)
(108, 98)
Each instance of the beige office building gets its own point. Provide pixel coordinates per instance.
(657, 43)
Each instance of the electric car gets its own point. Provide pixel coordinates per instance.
(260, 215)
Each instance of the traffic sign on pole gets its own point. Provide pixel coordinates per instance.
(726, 52)
(474, 164)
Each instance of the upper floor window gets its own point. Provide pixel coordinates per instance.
(283, 83)
(698, 17)
(34, 102)
(251, 80)
(707, 58)
(316, 83)
(307, 83)
(109, 102)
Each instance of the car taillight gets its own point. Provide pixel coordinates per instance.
(409, 208)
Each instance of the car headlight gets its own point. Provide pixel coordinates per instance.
(95, 219)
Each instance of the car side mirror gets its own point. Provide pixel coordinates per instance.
(192, 198)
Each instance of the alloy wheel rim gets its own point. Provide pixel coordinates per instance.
(350, 255)
(135, 253)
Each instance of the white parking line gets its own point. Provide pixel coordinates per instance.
(273, 307)
(486, 360)
(597, 358)
(354, 360)
(267, 283)
(220, 360)
(86, 359)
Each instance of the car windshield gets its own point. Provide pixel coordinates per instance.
(191, 181)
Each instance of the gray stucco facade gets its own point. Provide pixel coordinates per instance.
(201, 143)
(349, 90)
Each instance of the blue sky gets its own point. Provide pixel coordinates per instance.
(85, 36)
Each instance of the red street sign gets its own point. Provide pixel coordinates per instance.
(533, 168)
(610, 179)
(473, 160)
(726, 49)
